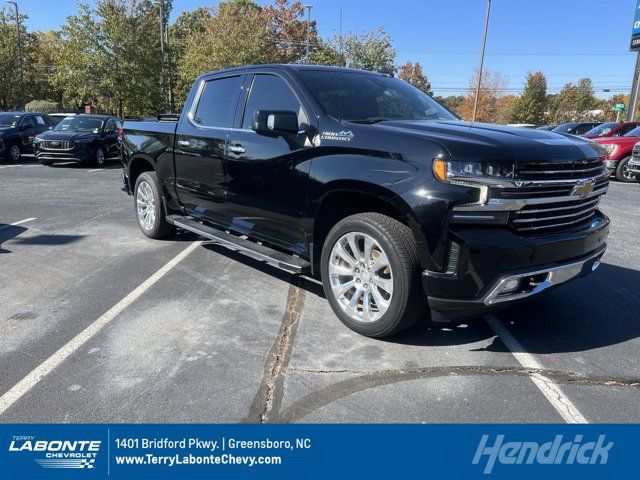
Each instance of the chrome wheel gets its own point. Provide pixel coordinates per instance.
(14, 152)
(361, 277)
(100, 157)
(628, 174)
(146, 206)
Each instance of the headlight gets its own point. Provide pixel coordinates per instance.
(37, 140)
(610, 149)
(448, 171)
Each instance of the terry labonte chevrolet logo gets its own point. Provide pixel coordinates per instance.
(57, 453)
(584, 188)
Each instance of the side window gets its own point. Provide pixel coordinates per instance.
(40, 120)
(28, 122)
(625, 129)
(217, 104)
(110, 127)
(269, 92)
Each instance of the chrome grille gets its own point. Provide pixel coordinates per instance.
(547, 217)
(56, 144)
(542, 191)
(587, 168)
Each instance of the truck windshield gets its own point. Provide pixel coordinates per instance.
(8, 119)
(79, 124)
(370, 98)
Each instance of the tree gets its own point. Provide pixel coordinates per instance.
(236, 34)
(453, 102)
(532, 105)
(109, 57)
(574, 102)
(10, 60)
(491, 89)
(287, 32)
(505, 109)
(412, 73)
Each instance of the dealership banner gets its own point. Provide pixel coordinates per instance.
(144, 451)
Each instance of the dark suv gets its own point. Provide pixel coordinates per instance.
(17, 132)
(89, 139)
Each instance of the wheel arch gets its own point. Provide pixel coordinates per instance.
(343, 198)
(138, 164)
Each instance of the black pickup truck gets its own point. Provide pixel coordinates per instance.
(362, 180)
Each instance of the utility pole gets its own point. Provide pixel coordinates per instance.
(484, 46)
(635, 92)
(19, 51)
(308, 7)
(162, 82)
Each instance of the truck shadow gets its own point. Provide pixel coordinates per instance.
(599, 310)
(11, 232)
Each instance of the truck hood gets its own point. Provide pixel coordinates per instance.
(483, 141)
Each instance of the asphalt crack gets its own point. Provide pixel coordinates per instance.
(268, 399)
(365, 379)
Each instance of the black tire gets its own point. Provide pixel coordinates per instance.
(99, 156)
(408, 303)
(10, 152)
(159, 227)
(622, 169)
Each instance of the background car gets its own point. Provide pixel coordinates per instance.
(611, 129)
(575, 128)
(56, 118)
(17, 132)
(619, 150)
(547, 127)
(89, 139)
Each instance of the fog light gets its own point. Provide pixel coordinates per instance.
(511, 286)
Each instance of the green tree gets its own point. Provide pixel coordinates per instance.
(236, 34)
(109, 57)
(575, 102)
(412, 73)
(452, 102)
(532, 105)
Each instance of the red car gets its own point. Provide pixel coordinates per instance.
(611, 129)
(619, 153)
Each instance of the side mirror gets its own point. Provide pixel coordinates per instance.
(273, 122)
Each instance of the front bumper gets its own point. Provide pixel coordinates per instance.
(490, 259)
(611, 165)
(634, 167)
(79, 153)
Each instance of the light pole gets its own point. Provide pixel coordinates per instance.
(162, 83)
(19, 50)
(308, 7)
(484, 46)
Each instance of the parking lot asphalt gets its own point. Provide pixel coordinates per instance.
(100, 324)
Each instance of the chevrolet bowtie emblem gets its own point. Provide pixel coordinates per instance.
(583, 188)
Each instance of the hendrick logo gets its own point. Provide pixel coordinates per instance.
(555, 452)
(583, 188)
(58, 453)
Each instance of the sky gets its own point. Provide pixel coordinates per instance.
(566, 39)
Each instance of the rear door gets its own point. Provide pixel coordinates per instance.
(28, 132)
(200, 148)
(267, 175)
(110, 138)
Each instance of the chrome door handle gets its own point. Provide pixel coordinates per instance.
(237, 149)
(184, 143)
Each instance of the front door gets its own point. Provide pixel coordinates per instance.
(110, 138)
(200, 148)
(267, 175)
(27, 132)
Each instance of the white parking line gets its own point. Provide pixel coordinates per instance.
(550, 389)
(46, 367)
(19, 222)
(18, 165)
(94, 170)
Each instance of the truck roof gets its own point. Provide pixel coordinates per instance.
(296, 67)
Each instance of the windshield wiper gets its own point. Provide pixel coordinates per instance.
(369, 120)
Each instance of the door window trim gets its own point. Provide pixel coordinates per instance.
(196, 100)
(25, 118)
(248, 95)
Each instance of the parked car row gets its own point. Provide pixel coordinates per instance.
(87, 139)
